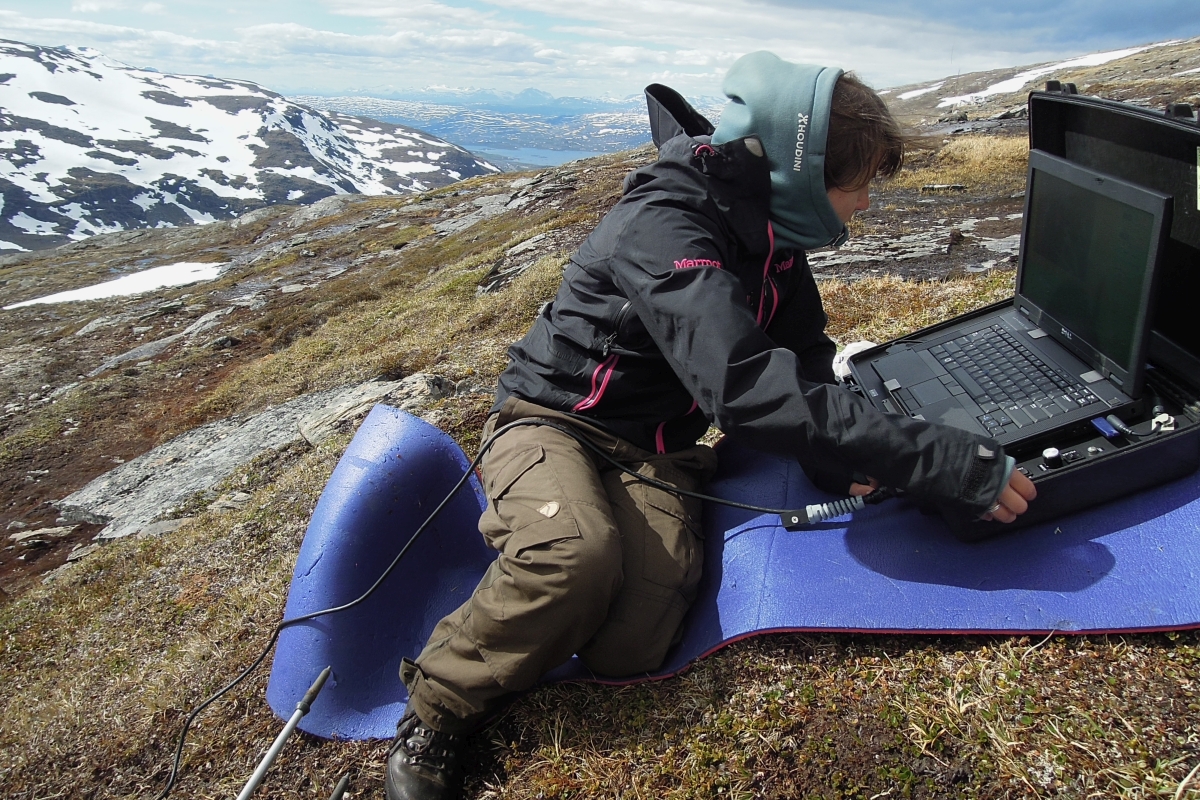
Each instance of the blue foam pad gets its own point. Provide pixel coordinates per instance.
(1127, 566)
(395, 472)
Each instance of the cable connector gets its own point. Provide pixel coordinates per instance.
(882, 493)
(811, 515)
(1116, 422)
(795, 520)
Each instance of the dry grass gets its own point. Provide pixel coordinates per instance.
(861, 717)
(398, 334)
(103, 662)
(879, 309)
(977, 162)
(412, 314)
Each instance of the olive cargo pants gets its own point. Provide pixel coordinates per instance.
(591, 562)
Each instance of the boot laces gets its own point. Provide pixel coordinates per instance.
(423, 746)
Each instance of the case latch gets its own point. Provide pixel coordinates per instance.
(1183, 111)
(1060, 87)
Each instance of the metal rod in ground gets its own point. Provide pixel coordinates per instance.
(280, 740)
(340, 789)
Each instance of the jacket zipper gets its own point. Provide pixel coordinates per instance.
(612, 337)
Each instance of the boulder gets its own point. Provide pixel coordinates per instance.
(327, 207)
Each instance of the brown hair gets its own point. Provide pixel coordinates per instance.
(864, 138)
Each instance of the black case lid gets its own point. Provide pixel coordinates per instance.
(1157, 150)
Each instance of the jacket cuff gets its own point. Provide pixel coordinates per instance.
(1010, 465)
(986, 477)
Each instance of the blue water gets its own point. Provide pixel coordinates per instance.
(535, 155)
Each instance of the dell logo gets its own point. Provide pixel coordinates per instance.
(1067, 334)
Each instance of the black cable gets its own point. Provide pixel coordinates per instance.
(1186, 400)
(1116, 422)
(876, 496)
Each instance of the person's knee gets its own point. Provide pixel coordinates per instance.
(643, 624)
(586, 568)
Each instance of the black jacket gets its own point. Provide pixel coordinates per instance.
(678, 312)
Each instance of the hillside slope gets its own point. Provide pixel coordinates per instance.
(1148, 75)
(89, 145)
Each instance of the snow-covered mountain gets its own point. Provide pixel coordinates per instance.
(90, 145)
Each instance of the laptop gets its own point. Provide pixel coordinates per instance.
(1072, 345)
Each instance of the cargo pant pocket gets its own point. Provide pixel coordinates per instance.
(526, 506)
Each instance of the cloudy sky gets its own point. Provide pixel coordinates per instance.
(582, 47)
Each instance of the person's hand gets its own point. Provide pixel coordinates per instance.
(863, 489)
(1014, 500)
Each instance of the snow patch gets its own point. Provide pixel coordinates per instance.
(31, 225)
(919, 92)
(145, 201)
(1017, 82)
(148, 280)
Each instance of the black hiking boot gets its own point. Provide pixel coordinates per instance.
(423, 764)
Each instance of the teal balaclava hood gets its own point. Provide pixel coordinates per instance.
(786, 106)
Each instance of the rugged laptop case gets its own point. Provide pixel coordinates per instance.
(1160, 151)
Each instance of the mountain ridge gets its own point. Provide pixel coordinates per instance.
(482, 119)
(1151, 75)
(89, 145)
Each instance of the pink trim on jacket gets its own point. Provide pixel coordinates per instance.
(607, 366)
(766, 269)
(774, 303)
(659, 444)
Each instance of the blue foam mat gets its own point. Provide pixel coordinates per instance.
(1130, 565)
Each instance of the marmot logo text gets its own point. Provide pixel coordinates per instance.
(688, 263)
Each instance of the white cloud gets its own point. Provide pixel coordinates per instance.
(482, 43)
(86, 32)
(406, 13)
(591, 47)
(95, 6)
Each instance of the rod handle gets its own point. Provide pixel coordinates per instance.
(314, 690)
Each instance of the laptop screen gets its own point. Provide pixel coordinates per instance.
(1087, 260)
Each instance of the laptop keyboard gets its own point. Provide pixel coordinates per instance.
(1011, 385)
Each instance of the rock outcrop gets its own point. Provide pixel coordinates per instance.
(128, 499)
